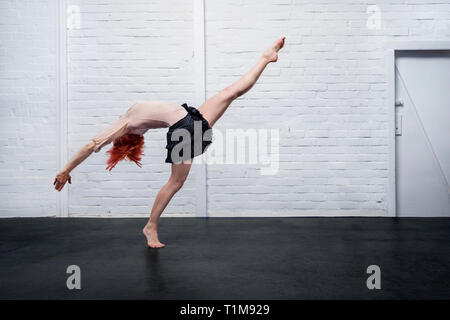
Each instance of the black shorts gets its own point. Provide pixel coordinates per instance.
(190, 142)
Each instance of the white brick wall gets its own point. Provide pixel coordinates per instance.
(326, 95)
(27, 107)
(123, 52)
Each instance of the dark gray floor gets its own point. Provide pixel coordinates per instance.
(241, 258)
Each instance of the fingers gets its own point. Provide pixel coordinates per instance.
(61, 185)
(61, 180)
(58, 185)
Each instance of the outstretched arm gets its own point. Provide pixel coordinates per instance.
(64, 175)
(94, 145)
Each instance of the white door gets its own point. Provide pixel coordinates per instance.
(423, 133)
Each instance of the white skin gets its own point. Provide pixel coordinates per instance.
(211, 110)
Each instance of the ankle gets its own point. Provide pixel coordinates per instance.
(151, 226)
(265, 60)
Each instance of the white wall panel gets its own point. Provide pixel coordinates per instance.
(123, 52)
(28, 105)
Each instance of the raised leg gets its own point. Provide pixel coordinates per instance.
(215, 106)
(175, 182)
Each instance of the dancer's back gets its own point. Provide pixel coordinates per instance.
(153, 114)
(139, 118)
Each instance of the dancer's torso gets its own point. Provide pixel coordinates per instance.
(138, 119)
(152, 114)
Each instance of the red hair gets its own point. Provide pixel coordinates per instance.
(128, 146)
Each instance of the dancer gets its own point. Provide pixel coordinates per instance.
(183, 122)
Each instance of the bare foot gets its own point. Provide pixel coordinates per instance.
(152, 237)
(271, 54)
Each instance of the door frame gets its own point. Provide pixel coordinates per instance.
(391, 49)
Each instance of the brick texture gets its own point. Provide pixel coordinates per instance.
(122, 52)
(27, 108)
(326, 95)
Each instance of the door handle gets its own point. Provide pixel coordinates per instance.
(398, 125)
(398, 117)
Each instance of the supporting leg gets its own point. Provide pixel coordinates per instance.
(176, 181)
(215, 107)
